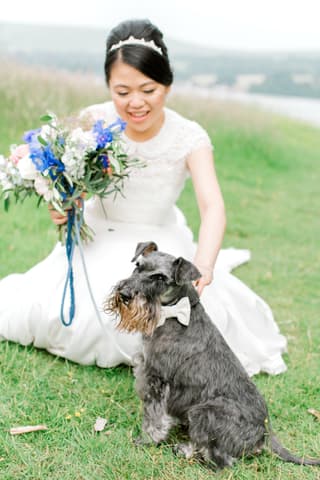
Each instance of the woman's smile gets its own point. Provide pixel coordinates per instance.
(139, 101)
(138, 116)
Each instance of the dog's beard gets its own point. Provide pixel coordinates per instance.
(138, 315)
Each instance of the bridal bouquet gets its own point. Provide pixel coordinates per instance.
(61, 164)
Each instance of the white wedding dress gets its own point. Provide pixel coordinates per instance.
(30, 302)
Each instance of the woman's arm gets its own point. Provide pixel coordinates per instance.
(212, 212)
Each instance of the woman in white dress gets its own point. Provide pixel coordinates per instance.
(139, 76)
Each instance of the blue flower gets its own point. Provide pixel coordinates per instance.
(118, 123)
(44, 159)
(30, 135)
(103, 135)
(104, 160)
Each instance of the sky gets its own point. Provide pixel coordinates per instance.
(232, 24)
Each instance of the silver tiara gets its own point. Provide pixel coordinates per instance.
(136, 41)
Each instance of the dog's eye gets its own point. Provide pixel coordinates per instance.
(159, 277)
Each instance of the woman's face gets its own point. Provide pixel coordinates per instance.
(138, 99)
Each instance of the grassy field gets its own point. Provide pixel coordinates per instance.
(269, 171)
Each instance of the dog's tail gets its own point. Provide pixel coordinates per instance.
(287, 456)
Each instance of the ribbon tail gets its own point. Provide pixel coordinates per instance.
(69, 279)
(105, 327)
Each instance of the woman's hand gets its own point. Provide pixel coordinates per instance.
(205, 279)
(212, 213)
(60, 219)
(57, 217)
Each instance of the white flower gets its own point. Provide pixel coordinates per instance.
(81, 141)
(27, 168)
(3, 161)
(42, 187)
(48, 133)
(74, 163)
(5, 183)
(9, 174)
(78, 143)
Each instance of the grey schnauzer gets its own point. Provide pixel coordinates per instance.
(187, 374)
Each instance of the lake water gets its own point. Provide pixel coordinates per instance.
(299, 108)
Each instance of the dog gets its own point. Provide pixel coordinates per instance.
(187, 374)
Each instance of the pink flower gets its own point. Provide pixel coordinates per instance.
(19, 152)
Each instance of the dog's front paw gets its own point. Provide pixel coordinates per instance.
(184, 450)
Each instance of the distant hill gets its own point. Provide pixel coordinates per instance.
(82, 49)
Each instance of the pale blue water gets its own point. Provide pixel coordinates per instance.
(299, 108)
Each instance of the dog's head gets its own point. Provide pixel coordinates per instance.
(158, 279)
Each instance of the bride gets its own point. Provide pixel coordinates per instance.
(139, 76)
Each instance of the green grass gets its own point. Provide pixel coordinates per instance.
(269, 171)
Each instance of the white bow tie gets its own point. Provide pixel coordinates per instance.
(181, 311)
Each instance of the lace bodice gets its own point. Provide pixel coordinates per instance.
(150, 192)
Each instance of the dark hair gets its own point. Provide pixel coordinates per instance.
(143, 58)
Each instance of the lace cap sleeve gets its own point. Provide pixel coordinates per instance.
(198, 137)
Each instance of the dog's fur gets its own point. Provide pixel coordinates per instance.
(189, 375)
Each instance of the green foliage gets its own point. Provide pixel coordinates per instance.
(269, 173)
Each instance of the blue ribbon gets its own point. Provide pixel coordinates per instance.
(75, 219)
(70, 244)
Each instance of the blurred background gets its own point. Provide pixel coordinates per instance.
(266, 53)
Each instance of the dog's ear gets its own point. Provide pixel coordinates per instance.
(184, 271)
(144, 248)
